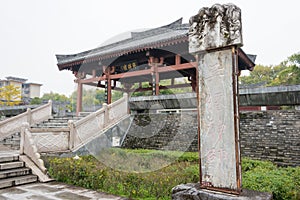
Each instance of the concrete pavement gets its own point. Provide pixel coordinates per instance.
(53, 191)
(49, 191)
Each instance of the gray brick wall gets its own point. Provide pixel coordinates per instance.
(163, 131)
(269, 135)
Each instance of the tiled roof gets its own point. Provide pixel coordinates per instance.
(154, 38)
(170, 34)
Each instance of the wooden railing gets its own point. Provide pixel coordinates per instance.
(90, 126)
(13, 125)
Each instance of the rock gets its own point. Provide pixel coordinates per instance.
(191, 191)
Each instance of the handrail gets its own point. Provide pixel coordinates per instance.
(13, 125)
(89, 117)
(101, 110)
(89, 126)
(119, 101)
(28, 148)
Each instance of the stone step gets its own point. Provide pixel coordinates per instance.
(9, 182)
(57, 121)
(9, 158)
(66, 118)
(14, 172)
(51, 124)
(11, 165)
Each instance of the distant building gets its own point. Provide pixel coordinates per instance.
(31, 90)
(28, 90)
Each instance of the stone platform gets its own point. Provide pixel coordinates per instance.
(191, 191)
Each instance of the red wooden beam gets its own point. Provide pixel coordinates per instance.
(161, 87)
(131, 74)
(141, 72)
(91, 80)
(177, 67)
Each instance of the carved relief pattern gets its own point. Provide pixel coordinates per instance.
(41, 114)
(51, 142)
(215, 27)
(217, 136)
(117, 112)
(31, 151)
(89, 128)
(93, 124)
(12, 126)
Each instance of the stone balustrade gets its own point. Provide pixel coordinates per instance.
(13, 125)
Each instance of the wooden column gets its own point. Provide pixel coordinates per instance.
(193, 80)
(108, 88)
(153, 62)
(156, 79)
(177, 59)
(79, 98)
(107, 72)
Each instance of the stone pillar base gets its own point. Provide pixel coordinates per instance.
(191, 191)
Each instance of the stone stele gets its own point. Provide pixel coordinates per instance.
(215, 27)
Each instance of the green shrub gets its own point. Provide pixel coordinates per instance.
(283, 183)
(88, 172)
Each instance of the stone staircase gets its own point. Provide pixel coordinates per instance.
(56, 122)
(13, 141)
(13, 171)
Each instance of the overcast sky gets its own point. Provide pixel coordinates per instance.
(33, 31)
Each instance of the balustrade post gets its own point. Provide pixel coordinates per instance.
(106, 114)
(125, 96)
(25, 125)
(72, 134)
(50, 104)
(29, 116)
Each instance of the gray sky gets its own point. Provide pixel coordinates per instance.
(33, 31)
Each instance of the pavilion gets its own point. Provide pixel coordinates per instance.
(147, 56)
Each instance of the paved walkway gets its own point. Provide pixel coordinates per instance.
(52, 191)
(49, 191)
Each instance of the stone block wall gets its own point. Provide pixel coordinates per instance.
(163, 131)
(268, 135)
(271, 135)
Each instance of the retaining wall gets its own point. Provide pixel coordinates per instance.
(267, 135)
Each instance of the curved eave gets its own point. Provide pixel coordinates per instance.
(246, 62)
(95, 58)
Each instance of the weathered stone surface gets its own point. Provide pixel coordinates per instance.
(191, 191)
(271, 135)
(176, 131)
(218, 131)
(215, 27)
(173, 101)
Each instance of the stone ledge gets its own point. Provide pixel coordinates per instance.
(191, 191)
